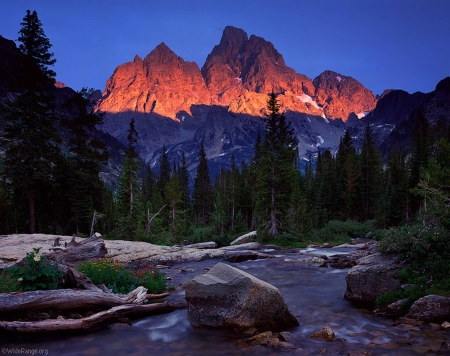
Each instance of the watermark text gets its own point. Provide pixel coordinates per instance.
(23, 351)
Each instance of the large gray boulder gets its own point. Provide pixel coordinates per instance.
(374, 275)
(227, 297)
(430, 308)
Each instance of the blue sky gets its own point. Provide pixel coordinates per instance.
(399, 44)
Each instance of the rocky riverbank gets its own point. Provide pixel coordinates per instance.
(294, 272)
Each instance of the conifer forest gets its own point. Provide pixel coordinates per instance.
(50, 180)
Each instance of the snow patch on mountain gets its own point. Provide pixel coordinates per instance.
(321, 141)
(307, 99)
(362, 114)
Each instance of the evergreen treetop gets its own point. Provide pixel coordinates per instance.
(35, 45)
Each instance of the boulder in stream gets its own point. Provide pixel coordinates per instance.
(374, 275)
(227, 297)
(325, 333)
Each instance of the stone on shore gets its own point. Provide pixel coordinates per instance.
(227, 297)
(430, 308)
(374, 275)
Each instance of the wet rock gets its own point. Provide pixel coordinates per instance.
(435, 326)
(242, 256)
(430, 307)
(445, 325)
(421, 350)
(405, 341)
(273, 342)
(260, 339)
(312, 261)
(389, 345)
(276, 344)
(286, 336)
(349, 260)
(226, 297)
(250, 331)
(407, 321)
(392, 310)
(374, 275)
(325, 333)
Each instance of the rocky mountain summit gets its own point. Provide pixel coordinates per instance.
(179, 106)
(238, 73)
(340, 96)
(162, 83)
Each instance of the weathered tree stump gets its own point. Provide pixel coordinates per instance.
(88, 249)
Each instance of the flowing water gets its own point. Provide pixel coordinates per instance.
(313, 294)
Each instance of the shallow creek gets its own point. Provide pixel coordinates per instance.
(313, 294)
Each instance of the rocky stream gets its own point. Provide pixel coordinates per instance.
(314, 295)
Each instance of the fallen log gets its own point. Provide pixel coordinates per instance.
(67, 299)
(116, 314)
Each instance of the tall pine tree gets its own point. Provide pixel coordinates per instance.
(202, 195)
(371, 175)
(276, 174)
(129, 210)
(32, 154)
(84, 185)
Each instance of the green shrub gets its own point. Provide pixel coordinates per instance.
(337, 232)
(377, 234)
(8, 283)
(284, 240)
(152, 279)
(425, 249)
(119, 278)
(112, 274)
(201, 234)
(35, 272)
(410, 295)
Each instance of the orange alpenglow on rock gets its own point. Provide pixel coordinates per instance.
(238, 74)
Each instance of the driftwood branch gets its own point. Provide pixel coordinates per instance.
(157, 296)
(67, 299)
(101, 319)
(149, 221)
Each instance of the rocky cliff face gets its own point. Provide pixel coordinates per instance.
(178, 106)
(11, 62)
(340, 96)
(222, 106)
(437, 107)
(162, 83)
(240, 68)
(238, 73)
(394, 118)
